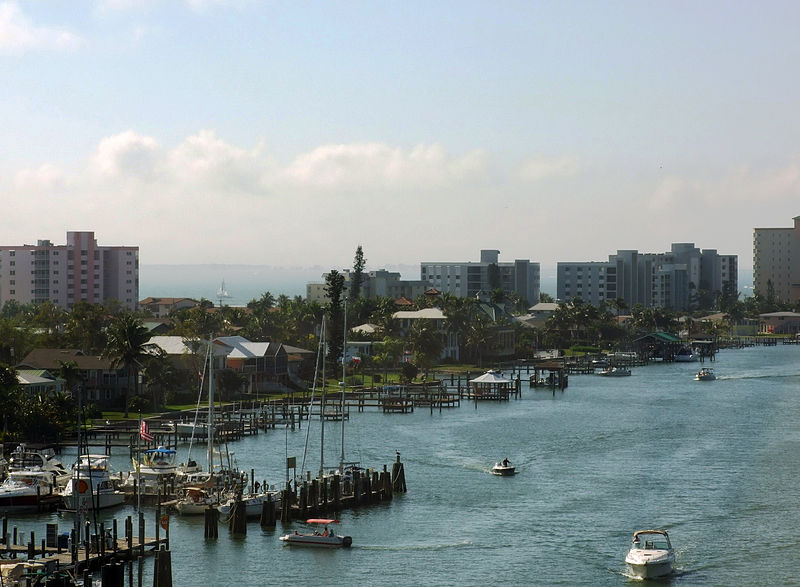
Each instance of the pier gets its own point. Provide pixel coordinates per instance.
(61, 559)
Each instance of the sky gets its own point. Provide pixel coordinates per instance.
(289, 133)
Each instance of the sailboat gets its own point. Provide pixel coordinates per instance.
(209, 488)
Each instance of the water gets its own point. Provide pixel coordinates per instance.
(715, 463)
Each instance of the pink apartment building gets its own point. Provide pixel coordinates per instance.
(64, 274)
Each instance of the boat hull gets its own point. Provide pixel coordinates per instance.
(649, 564)
(650, 571)
(100, 501)
(317, 541)
(504, 471)
(28, 503)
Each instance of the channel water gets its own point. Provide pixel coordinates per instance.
(717, 464)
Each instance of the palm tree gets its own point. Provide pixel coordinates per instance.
(480, 337)
(128, 347)
(71, 374)
(426, 342)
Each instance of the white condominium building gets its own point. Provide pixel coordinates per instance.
(468, 279)
(680, 279)
(65, 274)
(776, 262)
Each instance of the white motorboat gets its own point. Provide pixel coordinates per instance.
(92, 485)
(194, 500)
(685, 355)
(650, 555)
(325, 539)
(252, 503)
(615, 372)
(705, 374)
(26, 459)
(28, 491)
(504, 468)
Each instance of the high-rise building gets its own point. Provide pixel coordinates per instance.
(680, 279)
(374, 284)
(468, 279)
(64, 274)
(776, 262)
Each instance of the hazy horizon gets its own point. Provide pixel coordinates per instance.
(246, 282)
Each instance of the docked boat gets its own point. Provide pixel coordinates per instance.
(651, 555)
(29, 491)
(325, 539)
(705, 374)
(253, 503)
(504, 468)
(615, 372)
(92, 485)
(24, 458)
(685, 355)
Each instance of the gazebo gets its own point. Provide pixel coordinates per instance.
(492, 385)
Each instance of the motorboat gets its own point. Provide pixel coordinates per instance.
(28, 491)
(615, 372)
(650, 555)
(92, 485)
(705, 374)
(685, 355)
(253, 503)
(24, 458)
(504, 468)
(325, 539)
(194, 501)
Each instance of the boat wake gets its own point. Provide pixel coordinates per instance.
(407, 547)
(764, 376)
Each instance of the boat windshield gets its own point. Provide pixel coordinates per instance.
(651, 541)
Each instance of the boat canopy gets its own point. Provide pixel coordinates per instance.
(490, 377)
(321, 521)
(160, 450)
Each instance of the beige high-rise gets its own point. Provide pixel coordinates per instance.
(776, 260)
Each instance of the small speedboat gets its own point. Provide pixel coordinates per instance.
(327, 538)
(615, 372)
(685, 355)
(504, 469)
(705, 374)
(650, 555)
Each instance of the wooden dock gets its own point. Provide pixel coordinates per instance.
(70, 557)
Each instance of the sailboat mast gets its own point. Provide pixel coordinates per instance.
(322, 405)
(210, 426)
(344, 384)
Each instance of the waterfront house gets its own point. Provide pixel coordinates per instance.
(780, 322)
(162, 307)
(103, 384)
(406, 318)
(39, 382)
(263, 364)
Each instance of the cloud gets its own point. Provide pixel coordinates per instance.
(536, 169)
(19, 35)
(126, 156)
(376, 165)
(206, 199)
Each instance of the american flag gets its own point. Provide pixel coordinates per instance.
(144, 432)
